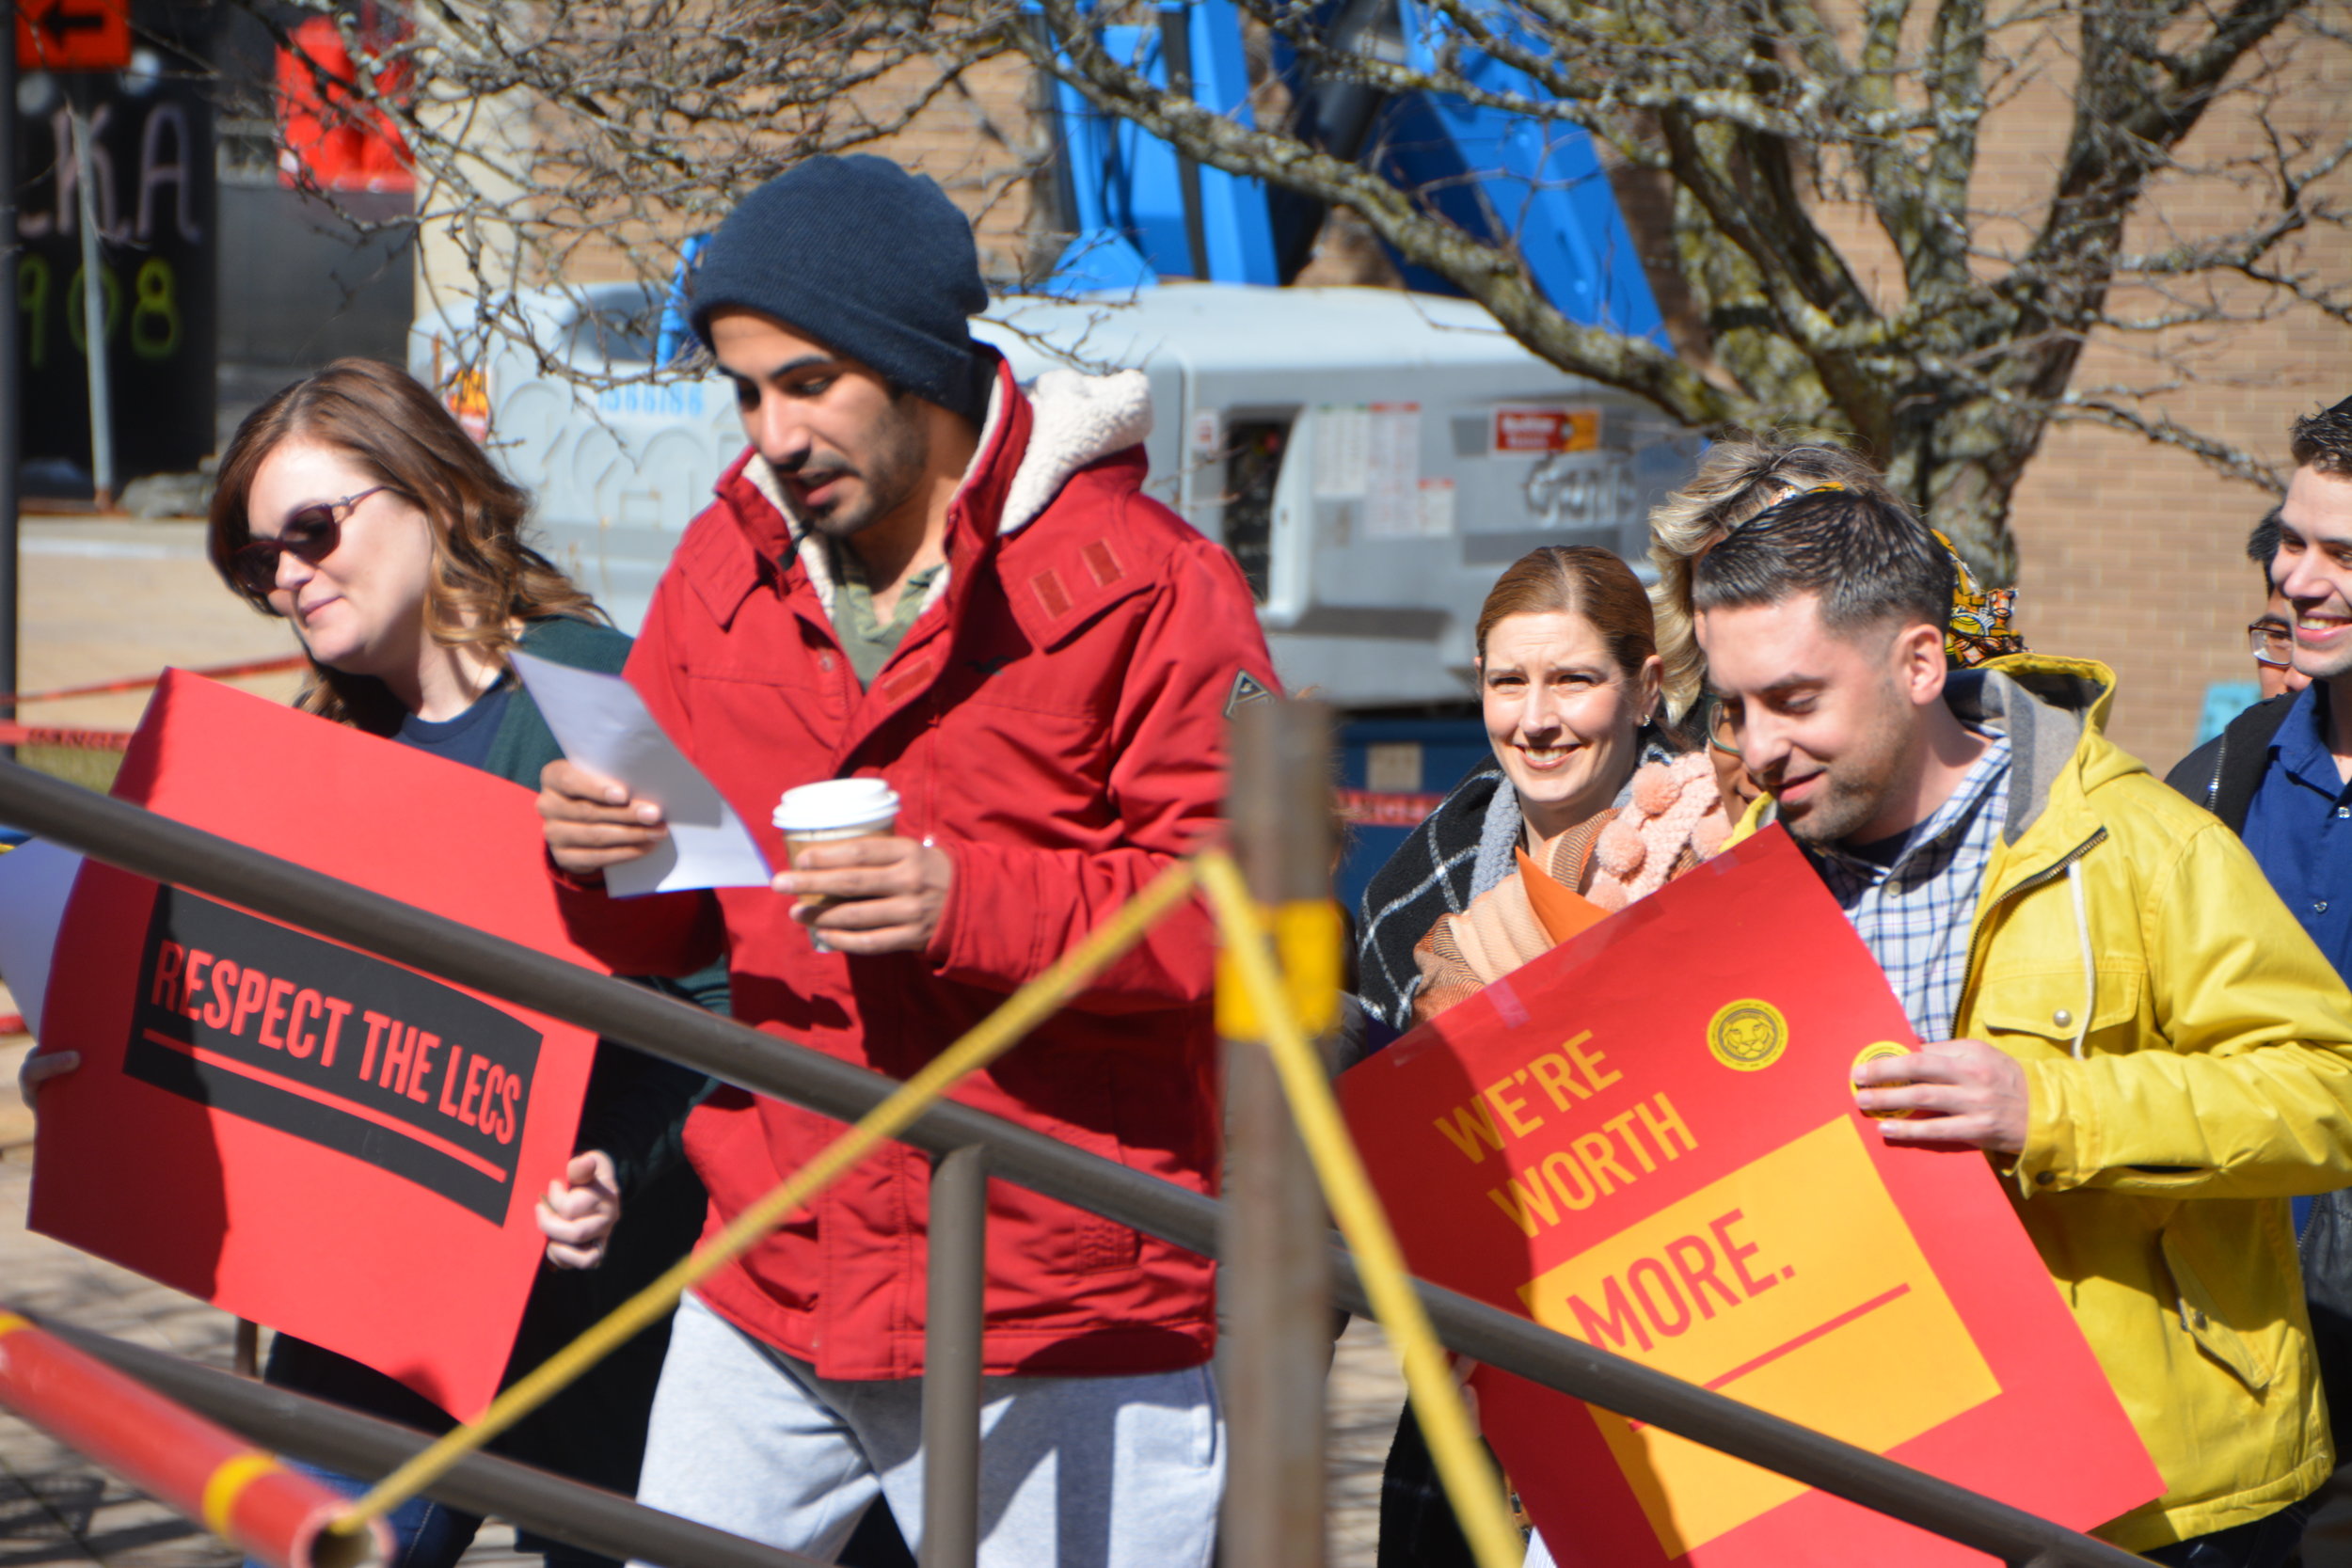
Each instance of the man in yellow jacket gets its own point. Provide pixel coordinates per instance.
(2116, 1007)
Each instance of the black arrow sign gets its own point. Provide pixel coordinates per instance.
(74, 35)
(58, 22)
(62, 20)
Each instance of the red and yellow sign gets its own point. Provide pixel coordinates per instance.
(1646, 1140)
(1528, 429)
(466, 394)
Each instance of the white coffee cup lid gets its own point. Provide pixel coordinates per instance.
(835, 803)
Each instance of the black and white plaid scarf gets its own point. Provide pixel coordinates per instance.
(1433, 874)
(1460, 850)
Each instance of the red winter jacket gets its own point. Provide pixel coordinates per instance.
(1055, 720)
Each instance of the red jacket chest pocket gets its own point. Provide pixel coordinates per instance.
(768, 712)
(1032, 732)
(774, 649)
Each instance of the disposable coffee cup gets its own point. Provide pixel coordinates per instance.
(832, 812)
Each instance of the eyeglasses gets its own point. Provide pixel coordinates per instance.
(1715, 717)
(2273, 642)
(310, 535)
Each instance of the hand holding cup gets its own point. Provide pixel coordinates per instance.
(859, 887)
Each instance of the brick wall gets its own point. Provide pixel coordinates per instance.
(976, 139)
(2130, 553)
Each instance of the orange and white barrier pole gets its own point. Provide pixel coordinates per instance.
(235, 1489)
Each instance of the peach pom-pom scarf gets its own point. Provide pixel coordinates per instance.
(1675, 820)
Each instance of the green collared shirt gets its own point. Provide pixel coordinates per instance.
(864, 637)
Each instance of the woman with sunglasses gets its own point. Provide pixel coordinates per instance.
(355, 506)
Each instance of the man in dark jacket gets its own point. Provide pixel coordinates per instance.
(925, 574)
(2281, 776)
(2271, 634)
(2236, 759)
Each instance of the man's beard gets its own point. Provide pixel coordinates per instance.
(1856, 787)
(891, 471)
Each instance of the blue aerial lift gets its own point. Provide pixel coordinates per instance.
(1142, 213)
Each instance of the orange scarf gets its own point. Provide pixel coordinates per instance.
(1564, 911)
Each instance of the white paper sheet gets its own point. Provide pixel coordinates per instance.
(1343, 447)
(1392, 500)
(603, 725)
(36, 880)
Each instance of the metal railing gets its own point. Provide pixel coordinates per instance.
(343, 1440)
(150, 845)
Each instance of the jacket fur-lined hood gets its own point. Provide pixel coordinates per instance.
(1075, 419)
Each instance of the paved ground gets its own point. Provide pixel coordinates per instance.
(53, 1507)
(105, 599)
(1363, 1397)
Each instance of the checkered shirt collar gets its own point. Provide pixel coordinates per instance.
(1942, 832)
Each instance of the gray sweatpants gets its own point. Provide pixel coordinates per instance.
(1081, 1472)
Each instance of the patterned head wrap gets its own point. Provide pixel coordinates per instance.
(1981, 626)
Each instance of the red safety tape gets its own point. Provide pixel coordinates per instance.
(89, 740)
(140, 683)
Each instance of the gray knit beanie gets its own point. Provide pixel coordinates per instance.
(871, 260)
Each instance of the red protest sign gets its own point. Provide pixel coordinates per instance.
(1646, 1140)
(294, 1130)
(72, 35)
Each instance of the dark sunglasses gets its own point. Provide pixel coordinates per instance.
(309, 536)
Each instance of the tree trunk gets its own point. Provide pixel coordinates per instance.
(1957, 459)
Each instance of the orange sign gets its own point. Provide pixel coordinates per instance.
(1646, 1140)
(1738, 1289)
(466, 394)
(1520, 429)
(72, 35)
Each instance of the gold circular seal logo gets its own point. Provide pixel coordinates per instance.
(1878, 1052)
(1747, 1035)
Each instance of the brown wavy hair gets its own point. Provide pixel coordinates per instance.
(486, 580)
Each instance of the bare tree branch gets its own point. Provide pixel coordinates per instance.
(1766, 149)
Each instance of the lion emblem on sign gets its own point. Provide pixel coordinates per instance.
(1747, 1035)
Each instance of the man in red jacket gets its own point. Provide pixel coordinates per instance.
(921, 574)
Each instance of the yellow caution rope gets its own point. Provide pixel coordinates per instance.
(1470, 1482)
(994, 1035)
